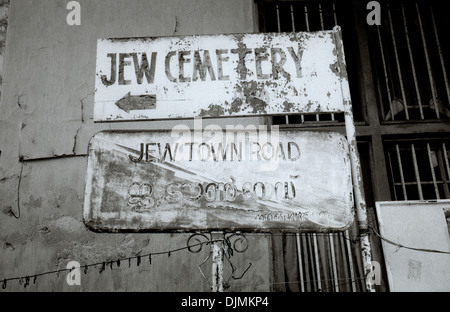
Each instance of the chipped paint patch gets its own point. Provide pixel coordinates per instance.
(212, 111)
(287, 106)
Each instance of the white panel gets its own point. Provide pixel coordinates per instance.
(416, 224)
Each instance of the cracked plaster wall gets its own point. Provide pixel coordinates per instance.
(46, 112)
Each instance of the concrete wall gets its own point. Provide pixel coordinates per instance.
(46, 115)
(4, 8)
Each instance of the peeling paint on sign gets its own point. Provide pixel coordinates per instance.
(220, 75)
(249, 180)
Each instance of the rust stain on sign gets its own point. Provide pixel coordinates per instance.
(239, 180)
(220, 75)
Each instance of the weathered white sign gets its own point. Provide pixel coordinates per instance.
(249, 180)
(218, 75)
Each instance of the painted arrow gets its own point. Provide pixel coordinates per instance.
(136, 102)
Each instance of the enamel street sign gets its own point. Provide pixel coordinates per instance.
(249, 180)
(218, 76)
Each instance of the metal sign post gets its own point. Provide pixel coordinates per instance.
(358, 188)
(217, 261)
(317, 185)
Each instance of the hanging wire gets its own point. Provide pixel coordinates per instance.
(18, 191)
(398, 245)
(25, 280)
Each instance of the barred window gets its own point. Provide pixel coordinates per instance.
(410, 56)
(289, 16)
(419, 169)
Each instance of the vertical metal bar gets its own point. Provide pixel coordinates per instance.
(350, 260)
(397, 61)
(427, 59)
(322, 27)
(334, 14)
(413, 67)
(441, 164)
(445, 175)
(392, 174)
(386, 76)
(292, 17)
(416, 172)
(311, 261)
(333, 263)
(317, 263)
(300, 262)
(343, 267)
(433, 174)
(402, 177)
(217, 261)
(306, 16)
(380, 95)
(308, 264)
(441, 57)
(447, 165)
(278, 18)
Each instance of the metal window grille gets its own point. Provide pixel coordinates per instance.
(410, 60)
(328, 263)
(291, 16)
(419, 169)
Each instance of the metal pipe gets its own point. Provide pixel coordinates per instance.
(360, 202)
(433, 174)
(397, 61)
(416, 172)
(427, 59)
(413, 67)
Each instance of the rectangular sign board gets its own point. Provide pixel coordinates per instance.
(237, 180)
(219, 75)
(420, 225)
